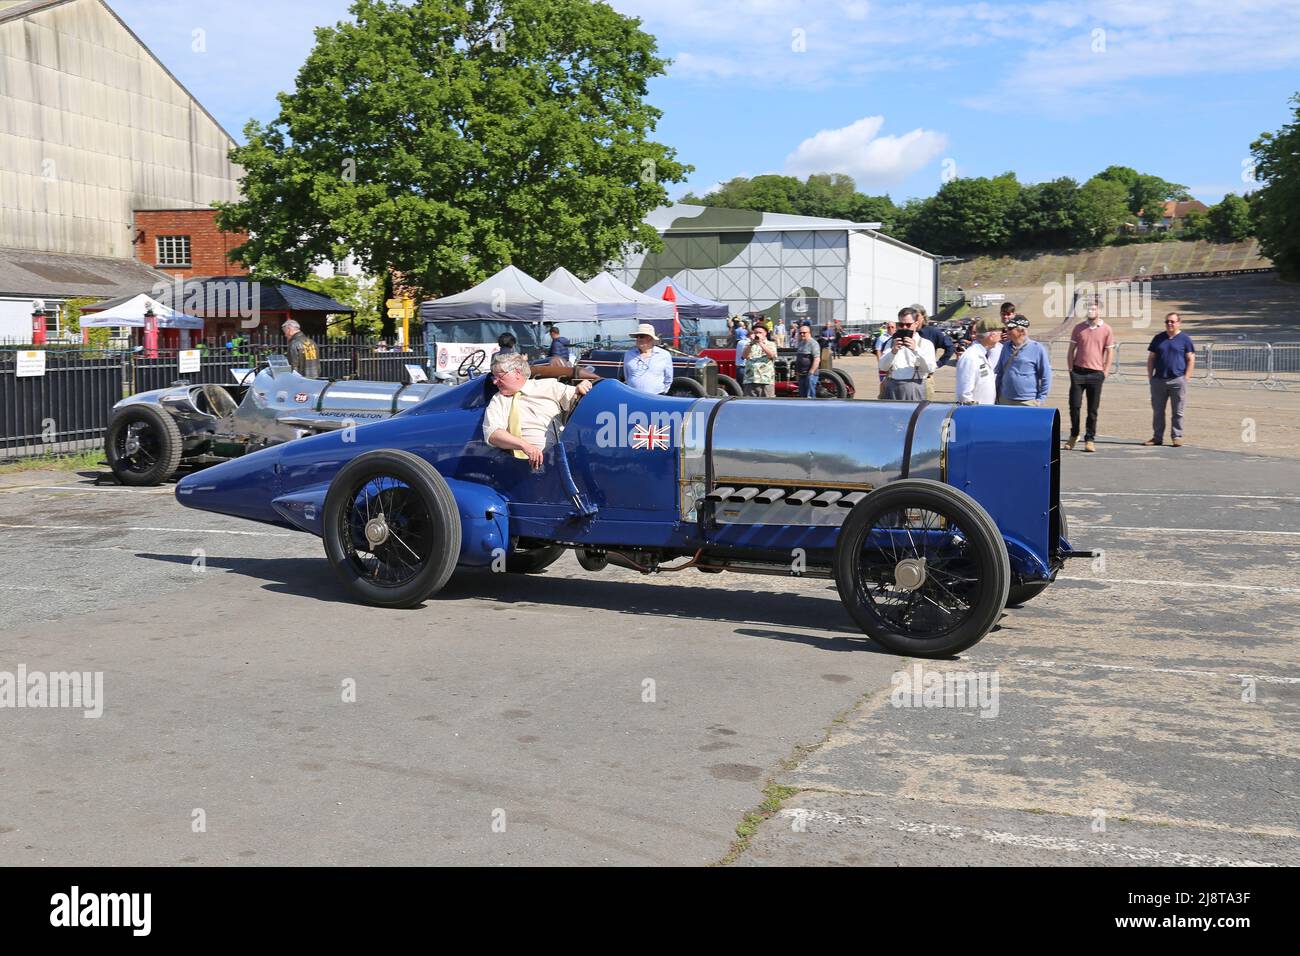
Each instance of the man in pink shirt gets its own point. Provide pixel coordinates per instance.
(1092, 349)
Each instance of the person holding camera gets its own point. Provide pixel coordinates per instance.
(907, 362)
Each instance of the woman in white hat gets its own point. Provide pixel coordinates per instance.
(648, 368)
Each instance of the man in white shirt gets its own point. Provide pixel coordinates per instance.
(977, 380)
(523, 417)
(907, 361)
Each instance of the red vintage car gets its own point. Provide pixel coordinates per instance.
(831, 382)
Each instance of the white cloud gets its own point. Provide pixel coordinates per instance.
(1032, 54)
(858, 150)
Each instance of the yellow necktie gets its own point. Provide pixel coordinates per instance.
(512, 426)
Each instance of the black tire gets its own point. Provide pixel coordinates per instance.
(830, 385)
(943, 527)
(419, 550)
(532, 560)
(1020, 593)
(592, 560)
(729, 386)
(850, 387)
(855, 349)
(684, 387)
(143, 445)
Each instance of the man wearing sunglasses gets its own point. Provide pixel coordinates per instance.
(1171, 359)
(807, 361)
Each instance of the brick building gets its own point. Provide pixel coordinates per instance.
(185, 243)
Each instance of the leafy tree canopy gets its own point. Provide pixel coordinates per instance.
(444, 139)
(1273, 212)
(1228, 220)
(828, 195)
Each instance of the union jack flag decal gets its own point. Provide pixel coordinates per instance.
(650, 437)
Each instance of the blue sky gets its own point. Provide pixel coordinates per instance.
(894, 94)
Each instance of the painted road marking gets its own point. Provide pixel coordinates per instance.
(1056, 844)
(1177, 671)
(1185, 584)
(1114, 527)
(1175, 494)
(89, 527)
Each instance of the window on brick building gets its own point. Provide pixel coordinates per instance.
(173, 250)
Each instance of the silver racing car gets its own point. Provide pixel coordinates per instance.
(152, 435)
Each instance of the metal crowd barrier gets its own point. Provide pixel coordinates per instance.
(1285, 371)
(1241, 363)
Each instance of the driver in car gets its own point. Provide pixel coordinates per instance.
(524, 416)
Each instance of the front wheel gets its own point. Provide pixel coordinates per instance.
(391, 529)
(922, 568)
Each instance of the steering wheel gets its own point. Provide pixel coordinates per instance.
(471, 363)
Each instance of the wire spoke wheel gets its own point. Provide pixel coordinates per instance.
(917, 572)
(922, 568)
(391, 528)
(388, 537)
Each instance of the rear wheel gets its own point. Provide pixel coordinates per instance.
(729, 386)
(850, 388)
(391, 529)
(922, 568)
(683, 387)
(855, 349)
(143, 445)
(1028, 590)
(532, 560)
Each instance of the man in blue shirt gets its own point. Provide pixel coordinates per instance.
(1024, 369)
(742, 343)
(559, 345)
(648, 368)
(944, 348)
(1171, 359)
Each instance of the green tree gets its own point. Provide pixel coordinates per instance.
(1273, 209)
(1228, 220)
(829, 195)
(364, 296)
(98, 337)
(966, 215)
(1147, 194)
(1195, 225)
(446, 138)
(1045, 215)
(1102, 206)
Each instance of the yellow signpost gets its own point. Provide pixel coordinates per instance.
(403, 309)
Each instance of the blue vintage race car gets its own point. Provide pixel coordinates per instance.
(929, 517)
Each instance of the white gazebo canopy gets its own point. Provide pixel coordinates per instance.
(131, 313)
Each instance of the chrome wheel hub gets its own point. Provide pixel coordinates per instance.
(909, 574)
(376, 531)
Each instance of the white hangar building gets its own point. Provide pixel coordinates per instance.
(822, 269)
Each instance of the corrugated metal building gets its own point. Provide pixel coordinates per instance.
(822, 269)
(92, 128)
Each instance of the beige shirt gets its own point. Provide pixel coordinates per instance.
(540, 403)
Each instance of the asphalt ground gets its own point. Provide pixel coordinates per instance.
(574, 719)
